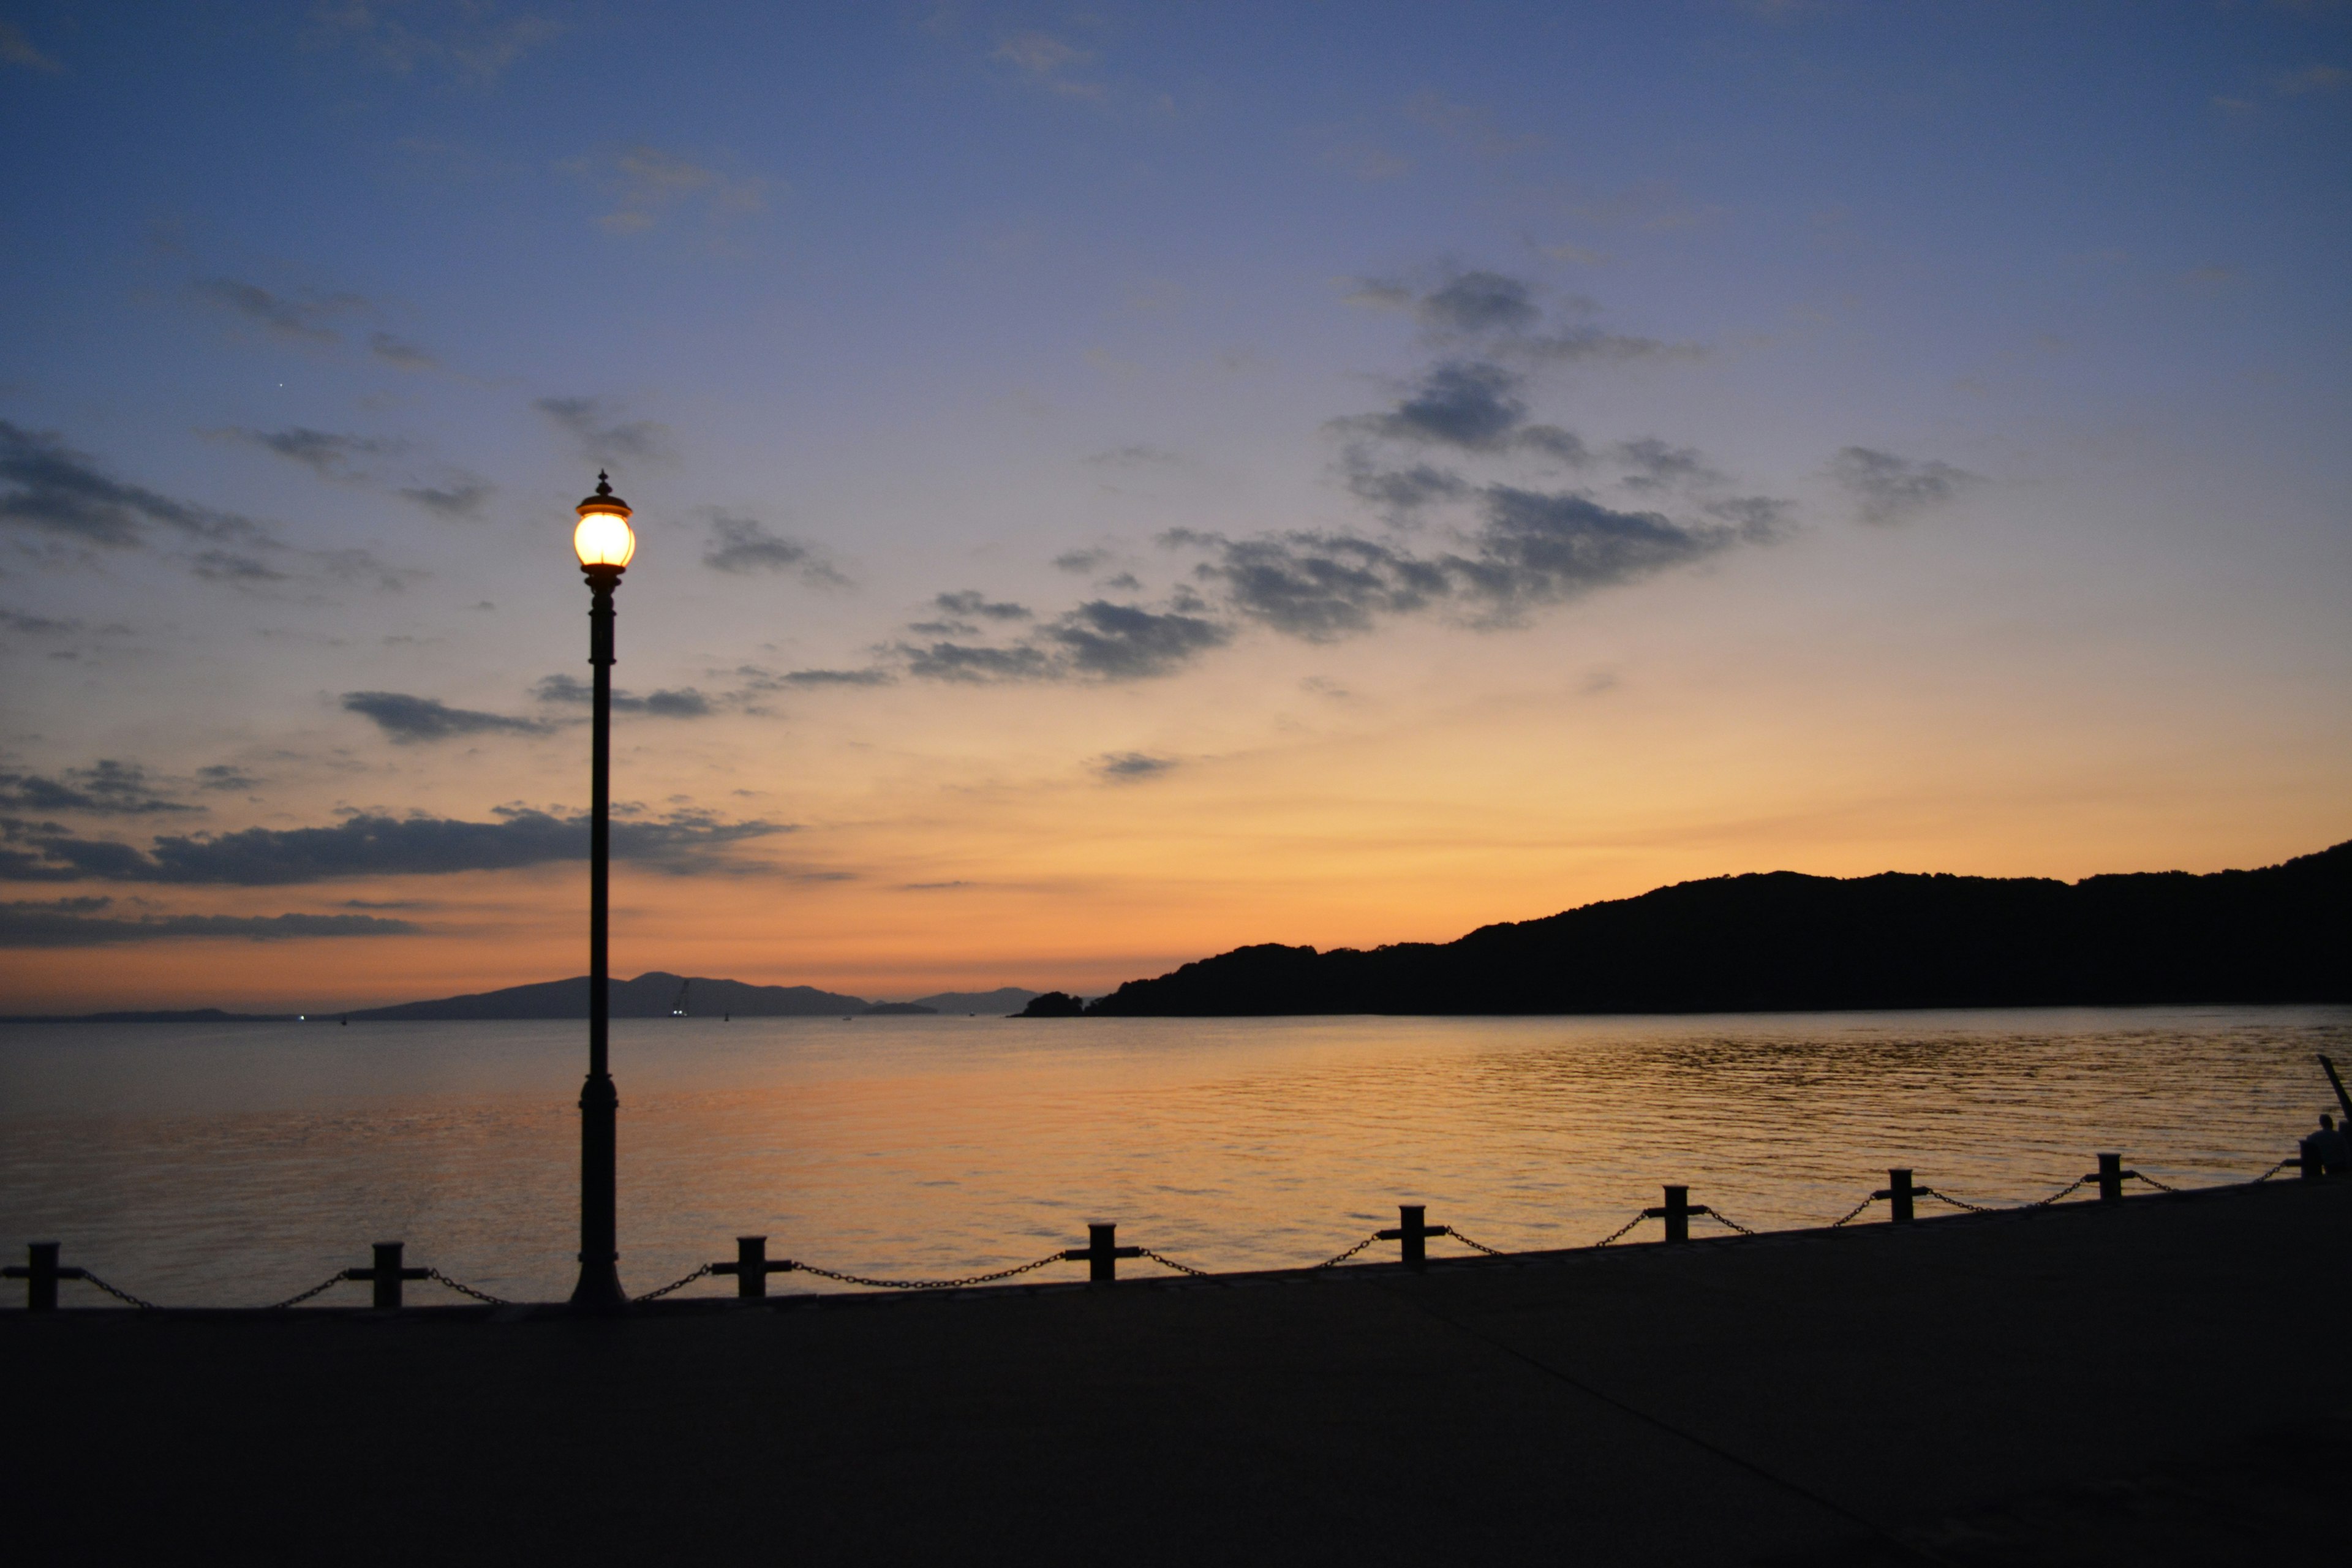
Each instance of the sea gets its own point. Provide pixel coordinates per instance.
(235, 1165)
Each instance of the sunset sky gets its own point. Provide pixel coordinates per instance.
(1114, 483)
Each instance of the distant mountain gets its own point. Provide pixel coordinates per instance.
(649, 995)
(1002, 1002)
(1785, 941)
(170, 1016)
(901, 1009)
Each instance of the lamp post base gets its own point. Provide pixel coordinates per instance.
(599, 1289)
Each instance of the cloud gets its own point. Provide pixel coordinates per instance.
(1471, 403)
(1469, 125)
(969, 602)
(1123, 642)
(1889, 490)
(372, 844)
(16, 49)
(394, 350)
(329, 456)
(684, 702)
(36, 626)
(72, 923)
(407, 720)
(221, 776)
(461, 498)
(2313, 79)
(1045, 60)
(1126, 766)
(605, 438)
(1503, 316)
(296, 318)
(1082, 560)
(1399, 494)
(468, 39)
(835, 678)
(1532, 548)
(646, 185)
(49, 487)
(742, 545)
(1139, 456)
(967, 662)
(1657, 466)
(106, 788)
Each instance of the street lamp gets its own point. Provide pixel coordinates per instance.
(604, 545)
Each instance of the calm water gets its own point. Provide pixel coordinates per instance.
(237, 1164)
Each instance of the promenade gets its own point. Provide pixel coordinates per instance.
(2158, 1382)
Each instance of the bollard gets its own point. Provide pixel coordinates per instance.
(2111, 1178)
(1101, 1253)
(751, 1268)
(387, 1274)
(1676, 1213)
(1412, 1235)
(40, 1274)
(1898, 1194)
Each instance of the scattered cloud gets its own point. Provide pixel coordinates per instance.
(461, 498)
(1047, 61)
(1083, 562)
(407, 720)
(1470, 404)
(106, 788)
(605, 438)
(2313, 79)
(329, 456)
(221, 776)
(1471, 125)
(742, 545)
(397, 352)
(647, 185)
(1505, 317)
(970, 602)
(297, 318)
(966, 662)
(835, 678)
(1120, 767)
(372, 845)
(16, 49)
(1888, 489)
(474, 41)
(76, 922)
(50, 488)
(1122, 642)
(684, 702)
(36, 626)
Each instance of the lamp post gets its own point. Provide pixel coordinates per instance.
(603, 543)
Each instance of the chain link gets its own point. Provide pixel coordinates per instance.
(1342, 1258)
(483, 1296)
(1171, 1263)
(928, 1284)
(320, 1289)
(1475, 1245)
(1726, 1218)
(1619, 1232)
(2151, 1181)
(125, 1296)
(1948, 1198)
(702, 1272)
(2274, 1170)
(1856, 1213)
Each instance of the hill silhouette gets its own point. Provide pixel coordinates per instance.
(649, 995)
(1785, 941)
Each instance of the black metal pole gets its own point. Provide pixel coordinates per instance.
(600, 1278)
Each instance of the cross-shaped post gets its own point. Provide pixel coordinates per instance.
(40, 1274)
(388, 1274)
(2111, 1178)
(1101, 1253)
(1412, 1235)
(751, 1267)
(1677, 1212)
(1898, 1193)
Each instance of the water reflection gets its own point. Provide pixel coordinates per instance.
(222, 1165)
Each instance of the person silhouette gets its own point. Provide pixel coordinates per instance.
(2333, 1149)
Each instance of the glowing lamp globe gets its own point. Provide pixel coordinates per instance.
(603, 537)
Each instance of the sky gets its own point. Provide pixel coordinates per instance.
(1116, 482)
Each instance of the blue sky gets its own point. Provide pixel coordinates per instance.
(1496, 457)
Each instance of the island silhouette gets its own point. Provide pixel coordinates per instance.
(1785, 941)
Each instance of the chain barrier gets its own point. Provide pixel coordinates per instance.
(320, 1289)
(1856, 1213)
(2062, 1192)
(701, 1273)
(1619, 1232)
(1726, 1218)
(482, 1296)
(2151, 1181)
(929, 1284)
(1475, 1245)
(1342, 1258)
(125, 1296)
(1956, 1202)
(2274, 1170)
(1166, 1262)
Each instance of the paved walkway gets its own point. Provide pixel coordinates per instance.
(2154, 1383)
